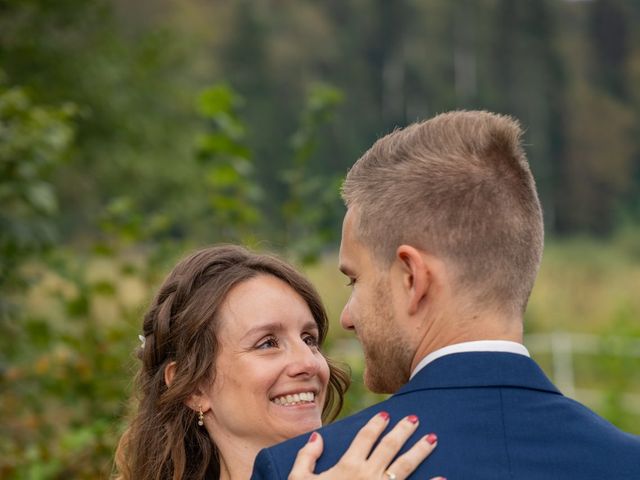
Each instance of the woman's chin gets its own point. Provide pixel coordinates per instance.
(294, 422)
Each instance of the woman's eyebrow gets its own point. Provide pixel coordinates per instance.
(265, 327)
(311, 325)
(277, 327)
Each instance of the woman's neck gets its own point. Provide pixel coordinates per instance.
(236, 458)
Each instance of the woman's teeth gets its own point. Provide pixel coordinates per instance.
(295, 399)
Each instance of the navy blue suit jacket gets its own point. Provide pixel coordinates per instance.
(497, 416)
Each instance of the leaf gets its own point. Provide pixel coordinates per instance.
(217, 99)
(104, 287)
(214, 144)
(41, 197)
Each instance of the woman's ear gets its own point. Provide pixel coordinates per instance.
(169, 373)
(415, 274)
(197, 401)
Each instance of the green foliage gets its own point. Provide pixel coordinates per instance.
(563, 68)
(620, 368)
(311, 199)
(67, 389)
(34, 140)
(301, 225)
(227, 169)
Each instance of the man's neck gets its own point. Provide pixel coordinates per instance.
(444, 333)
(494, 346)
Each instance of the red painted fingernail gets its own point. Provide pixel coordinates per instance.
(412, 419)
(384, 415)
(313, 437)
(432, 438)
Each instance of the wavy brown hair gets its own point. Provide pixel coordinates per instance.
(163, 441)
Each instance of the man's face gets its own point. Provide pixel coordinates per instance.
(371, 314)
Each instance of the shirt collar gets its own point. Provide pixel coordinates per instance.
(476, 346)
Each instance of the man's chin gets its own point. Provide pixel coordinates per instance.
(377, 383)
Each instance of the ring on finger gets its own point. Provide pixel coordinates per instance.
(390, 475)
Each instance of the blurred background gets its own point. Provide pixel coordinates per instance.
(132, 132)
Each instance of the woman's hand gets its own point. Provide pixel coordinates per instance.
(357, 464)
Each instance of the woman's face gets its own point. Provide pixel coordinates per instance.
(271, 379)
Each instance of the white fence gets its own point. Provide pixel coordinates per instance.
(562, 347)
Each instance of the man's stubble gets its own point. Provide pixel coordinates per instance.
(387, 352)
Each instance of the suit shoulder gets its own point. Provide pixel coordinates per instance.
(604, 425)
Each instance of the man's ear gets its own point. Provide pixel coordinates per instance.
(197, 401)
(414, 269)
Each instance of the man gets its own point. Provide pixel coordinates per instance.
(442, 241)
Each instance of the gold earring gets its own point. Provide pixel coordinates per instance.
(200, 416)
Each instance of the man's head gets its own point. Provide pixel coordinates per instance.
(458, 190)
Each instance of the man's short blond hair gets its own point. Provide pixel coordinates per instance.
(458, 186)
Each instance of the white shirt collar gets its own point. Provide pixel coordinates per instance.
(477, 346)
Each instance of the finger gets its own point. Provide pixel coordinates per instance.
(307, 457)
(406, 463)
(367, 436)
(392, 442)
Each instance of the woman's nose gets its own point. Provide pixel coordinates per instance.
(303, 360)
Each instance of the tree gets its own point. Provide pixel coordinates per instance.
(528, 81)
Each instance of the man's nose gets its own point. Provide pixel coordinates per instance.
(345, 318)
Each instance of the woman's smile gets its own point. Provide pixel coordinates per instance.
(269, 350)
(293, 399)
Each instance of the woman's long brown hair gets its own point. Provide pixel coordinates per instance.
(163, 440)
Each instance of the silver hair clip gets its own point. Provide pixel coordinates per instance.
(143, 340)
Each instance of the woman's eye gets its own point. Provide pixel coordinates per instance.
(311, 340)
(270, 342)
(352, 282)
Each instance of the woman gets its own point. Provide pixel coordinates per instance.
(231, 363)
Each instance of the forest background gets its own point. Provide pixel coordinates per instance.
(132, 132)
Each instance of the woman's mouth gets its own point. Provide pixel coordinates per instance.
(294, 399)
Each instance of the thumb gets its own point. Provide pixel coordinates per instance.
(307, 457)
